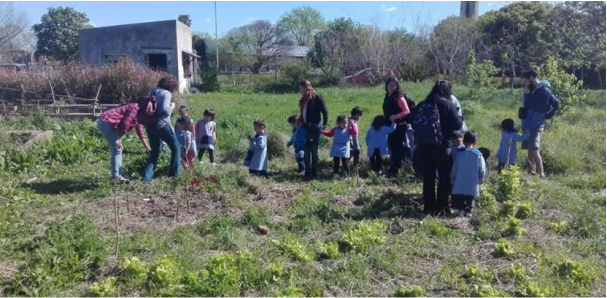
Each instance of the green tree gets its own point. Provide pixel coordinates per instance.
(566, 87)
(185, 18)
(480, 74)
(518, 32)
(331, 47)
(450, 42)
(301, 24)
(57, 33)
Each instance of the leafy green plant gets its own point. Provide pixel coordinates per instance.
(209, 79)
(104, 288)
(486, 291)
(518, 272)
(525, 210)
(133, 267)
(292, 292)
(476, 273)
(290, 245)
(509, 208)
(163, 274)
(574, 271)
(435, 228)
(514, 227)
(365, 235)
(274, 272)
(328, 250)
(509, 187)
(409, 291)
(530, 289)
(561, 227)
(503, 249)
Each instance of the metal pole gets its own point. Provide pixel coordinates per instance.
(216, 39)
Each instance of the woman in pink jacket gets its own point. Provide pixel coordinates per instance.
(114, 124)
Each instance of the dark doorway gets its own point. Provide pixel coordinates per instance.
(157, 61)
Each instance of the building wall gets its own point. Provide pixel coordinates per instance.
(184, 43)
(134, 41)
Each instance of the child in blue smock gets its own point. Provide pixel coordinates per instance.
(340, 150)
(257, 156)
(298, 141)
(506, 154)
(467, 173)
(377, 144)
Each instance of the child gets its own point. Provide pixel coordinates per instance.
(188, 143)
(506, 154)
(340, 150)
(377, 145)
(257, 156)
(183, 112)
(486, 154)
(356, 113)
(298, 141)
(206, 134)
(467, 173)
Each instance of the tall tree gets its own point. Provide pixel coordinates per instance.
(12, 23)
(450, 42)
(332, 45)
(261, 40)
(57, 33)
(301, 24)
(185, 18)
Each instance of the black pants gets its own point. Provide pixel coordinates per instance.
(201, 154)
(397, 147)
(355, 155)
(262, 173)
(376, 160)
(311, 150)
(463, 202)
(430, 160)
(345, 163)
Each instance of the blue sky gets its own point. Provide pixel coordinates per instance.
(386, 14)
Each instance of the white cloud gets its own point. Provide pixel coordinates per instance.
(386, 8)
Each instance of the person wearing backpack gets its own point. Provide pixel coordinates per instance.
(434, 122)
(395, 111)
(158, 126)
(539, 104)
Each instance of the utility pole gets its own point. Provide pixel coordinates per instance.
(216, 39)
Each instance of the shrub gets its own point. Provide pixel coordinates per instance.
(409, 291)
(480, 74)
(574, 271)
(209, 79)
(121, 82)
(162, 274)
(294, 72)
(276, 145)
(133, 267)
(566, 87)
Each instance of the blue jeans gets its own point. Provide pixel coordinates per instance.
(111, 136)
(167, 135)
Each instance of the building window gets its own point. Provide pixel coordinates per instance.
(157, 61)
(113, 58)
(187, 64)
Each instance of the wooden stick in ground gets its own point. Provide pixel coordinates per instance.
(53, 96)
(96, 100)
(116, 216)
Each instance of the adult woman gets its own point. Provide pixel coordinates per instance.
(162, 130)
(395, 109)
(437, 156)
(114, 124)
(312, 107)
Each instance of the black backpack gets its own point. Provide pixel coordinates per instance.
(426, 124)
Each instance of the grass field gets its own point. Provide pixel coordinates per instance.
(199, 235)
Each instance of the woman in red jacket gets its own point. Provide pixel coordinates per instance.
(114, 124)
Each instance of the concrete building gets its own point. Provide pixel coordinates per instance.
(163, 45)
(468, 9)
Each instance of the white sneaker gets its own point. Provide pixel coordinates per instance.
(335, 176)
(214, 164)
(461, 213)
(200, 162)
(120, 179)
(468, 214)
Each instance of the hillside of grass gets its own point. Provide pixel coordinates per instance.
(200, 235)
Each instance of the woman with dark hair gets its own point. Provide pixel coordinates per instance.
(163, 130)
(395, 110)
(311, 107)
(434, 123)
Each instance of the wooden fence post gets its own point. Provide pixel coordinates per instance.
(22, 99)
(96, 100)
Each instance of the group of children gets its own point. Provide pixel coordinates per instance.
(469, 170)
